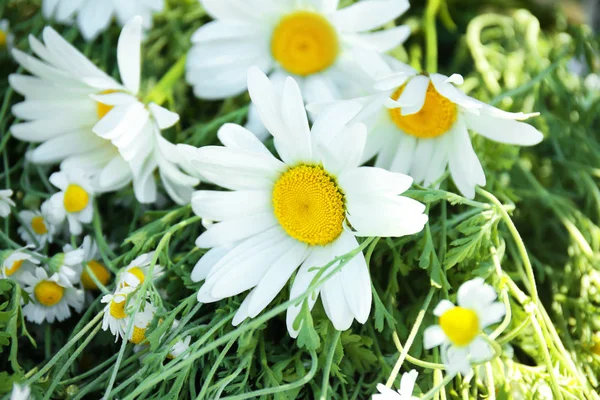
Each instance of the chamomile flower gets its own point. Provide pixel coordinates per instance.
(419, 124)
(5, 202)
(93, 264)
(180, 346)
(93, 16)
(6, 37)
(75, 200)
(117, 318)
(36, 228)
(407, 385)
(70, 269)
(302, 211)
(309, 40)
(459, 327)
(49, 300)
(141, 320)
(17, 263)
(137, 271)
(20, 392)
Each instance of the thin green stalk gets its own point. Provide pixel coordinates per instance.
(328, 362)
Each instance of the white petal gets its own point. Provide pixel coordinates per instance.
(207, 261)
(231, 231)
(235, 136)
(414, 94)
(480, 350)
(364, 16)
(384, 40)
(345, 150)
(491, 314)
(367, 181)
(356, 281)
(439, 159)
(405, 153)
(164, 118)
(407, 383)
(442, 307)
(128, 54)
(335, 304)
(433, 336)
(504, 130)
(219, 206)
(465, 167)
(371, 62)
(94, 18)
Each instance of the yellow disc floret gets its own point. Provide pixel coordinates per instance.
(461, 325)
(38, 225)
(138, 335)
(14, 267)
(309, 205)
(435, 118)
(103, 109)
(304, 43)
(99, 271)
(76, 198)
(117, 310)
(48, 293)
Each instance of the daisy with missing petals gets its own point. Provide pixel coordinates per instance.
(141, 320)
(115, 318)
(70, 267)
(49, 300)
(36, 228)
(304, 210)
(459, 327)
(92, 259)
(6, 37)
(16, 264)
(137, 271)
(5, 202)
(181, 346)
(419, 124)
(407, 385)
(93, 16)
(75, 200)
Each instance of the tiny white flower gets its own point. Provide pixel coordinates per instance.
(459, 327)
(93, 16)
(92, 259)
(294, 213)
(118, 313)
(180, 346)
(75, 200)
(20, 392)
(5, 202)
(6, 37)
(16, 264)
(36, 226)
(407, 385)
(141, 320)
(49, 300)
(137, 271)
(419, 124)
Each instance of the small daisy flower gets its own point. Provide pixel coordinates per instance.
(5, 202)
(407, 385)
(92, 259)
(6, 37)
(116, 318)
(302, 211)
(137, 271)
(75, 200)
(141, 320)
(16, 264)
(419, 124)
(459, 327)
(70, 269)
(49, 300)
(20, 392)
(36, 228)
(93, 16)
(181, 345)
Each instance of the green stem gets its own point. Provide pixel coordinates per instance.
(437, 388)
(431, 35)
(161, 91)
(327, 369)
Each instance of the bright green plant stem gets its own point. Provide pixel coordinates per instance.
(431, 12)
(327, 368)
(161, 92)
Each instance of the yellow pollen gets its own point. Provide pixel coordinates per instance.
(435, 118)
(3, 38)
(103, 109)
(76, 198)
(138, 335)
(309, 205)
(304, 43)
(48, 293)
(14, 267)
(138, 273)
(117, 310)
(99, 271)
(38, 225)
(461, 325)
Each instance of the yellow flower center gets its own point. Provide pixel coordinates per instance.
(304, 43)
(435, 118)
(38, 225)
(3, 38)
(76, 198)
(99, 271)
(14, 267)
(103, 109)
(48, 293)
(461, 325)
(138, 335)
(138, 273)
(117, 310)
(309, 205)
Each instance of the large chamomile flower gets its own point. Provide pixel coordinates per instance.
(74, 202)
(16, 263)
(49, 300)
(36, 228)
(304, 210)
(93, 16)
(136, 272)
(407, 386)
(6, 202)
(419, 124)
(309, 40)
(459, 327)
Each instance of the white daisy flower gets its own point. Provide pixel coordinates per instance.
(418, 124)
(49, 300)
(20, 392)
(93, 16)
(75, 200)
(5, 202)
(6, 37)
(36, 227)
(407, 385)
(180, 346)
(17, 263)
(459, 327)
(92, 258)
(117, 316)
(137, 271)
(301, 211)
(141, 320)
(69, 271)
